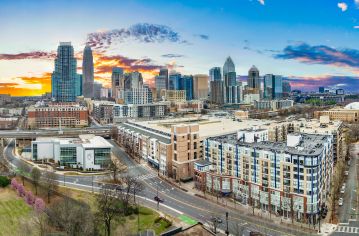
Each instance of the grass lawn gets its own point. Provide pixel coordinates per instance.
(129, 223)
(12, 209)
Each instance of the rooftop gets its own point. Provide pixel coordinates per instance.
(86, 141)
(310, 144)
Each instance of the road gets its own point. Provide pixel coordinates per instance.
(350, 208)
(176, 201)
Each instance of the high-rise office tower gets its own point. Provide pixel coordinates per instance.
(215, 74)
(175, 82)
(97, 87)
(133, 80)
(117, 81)
(66, 83)
(200, 86)
(253, 78)
(217, 94)
(187, 81)
(87, 73)
(273, 86)
(229, 73)
(160, 84)
(164, 73)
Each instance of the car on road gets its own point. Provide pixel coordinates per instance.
(346, 173)
(217, 220)
(342, 190)
(157, 199)
(340, 202)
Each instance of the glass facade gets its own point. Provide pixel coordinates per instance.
(102, 155)
(34, 151)
(68, 156)
(66, 83)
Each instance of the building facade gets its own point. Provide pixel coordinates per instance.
(117, 81)
(87, 152)
(87, 73)
(54, 115)
(124, 112)
(288, 178)
(253, 78)
(103, 112)
(200, 87)
(273, 86)
(174, 95)
(66, 83)
(346, 115)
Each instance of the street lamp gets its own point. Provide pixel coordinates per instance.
(227, 231)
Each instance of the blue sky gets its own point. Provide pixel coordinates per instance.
(313, 43)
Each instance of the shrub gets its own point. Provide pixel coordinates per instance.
(29, 198)
(4, 181)
(21, 190)
(14, 183)
(39, 205)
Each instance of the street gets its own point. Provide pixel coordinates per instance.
(350, 208)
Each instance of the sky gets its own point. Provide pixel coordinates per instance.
(311, 43)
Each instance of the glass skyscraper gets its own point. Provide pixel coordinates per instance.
(88, 73)
(215, 74)
(66, 83)
(188, 86)
(273, 86)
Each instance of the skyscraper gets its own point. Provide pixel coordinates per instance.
(133, 80)
(229, 73)
(188, 86)
(117, 81)
(200, 86)
(175, 82)
(273, 86)
(217, 95)
(160, 84)
(66, 83)
(87, 73)
(215, 74)
(253, 78)
(164, 73)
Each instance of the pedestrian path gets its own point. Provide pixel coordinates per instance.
(347, 229)
(147, 176)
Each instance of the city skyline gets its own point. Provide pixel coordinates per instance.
(311, 44)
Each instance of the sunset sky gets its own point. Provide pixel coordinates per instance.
(311, 42)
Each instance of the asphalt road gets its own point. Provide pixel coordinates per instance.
(350, 208)
(176, 201)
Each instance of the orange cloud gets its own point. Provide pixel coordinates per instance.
(27, 86)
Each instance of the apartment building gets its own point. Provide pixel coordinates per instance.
(103, 111)
(154, 110)
(342, 114)
(278, 131)
(49, 115)
(88, 152)
(173, 95)
(289, 178)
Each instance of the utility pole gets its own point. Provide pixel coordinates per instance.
(92, 182)
(227, 231)
(158, 202)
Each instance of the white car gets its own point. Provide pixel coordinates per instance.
(340, 201)
(342, 190)
(346, 173)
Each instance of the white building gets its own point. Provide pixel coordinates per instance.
(88, 152)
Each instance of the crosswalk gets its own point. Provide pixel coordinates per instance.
(147, 176)
(347, 229)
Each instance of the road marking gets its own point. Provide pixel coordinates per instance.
(208, 211)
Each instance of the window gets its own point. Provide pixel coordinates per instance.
(175, 156)
(102, 155)
(68, 156)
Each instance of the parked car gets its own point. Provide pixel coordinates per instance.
(346, 173)
(342, 190)
(340, 201)
(217, 219)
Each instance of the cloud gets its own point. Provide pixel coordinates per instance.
(261, 2)
(29, 55)
(343, 6)
(142, 32)
(27, 86)
(356, 3)
(356, 26)
(202, 36)
(311, 83)
(171, 55)
(321, 54)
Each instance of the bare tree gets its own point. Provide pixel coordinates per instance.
(354, 133)
(115, 169)
(108, 207)
(138, 187)
(22, 169)
(50, 183)
(35, 176)
(73, 217)
(37, 224)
